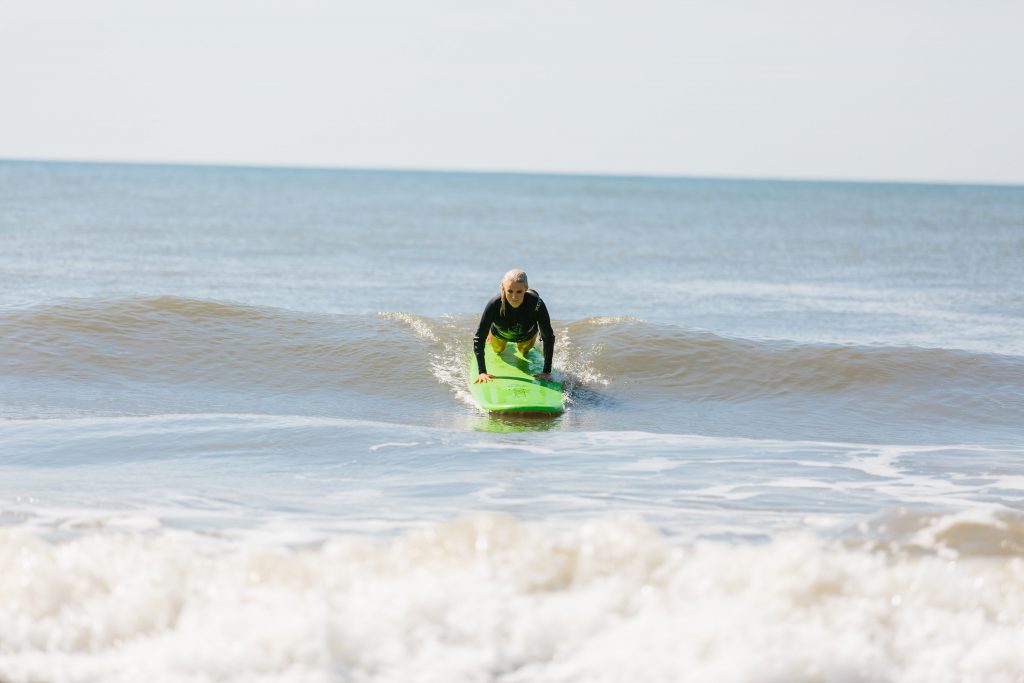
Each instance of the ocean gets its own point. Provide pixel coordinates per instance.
(236, 440)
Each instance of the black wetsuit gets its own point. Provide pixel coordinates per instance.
(517, 325)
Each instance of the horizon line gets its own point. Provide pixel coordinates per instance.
(511, 172)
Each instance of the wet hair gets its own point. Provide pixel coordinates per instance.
(514, 275)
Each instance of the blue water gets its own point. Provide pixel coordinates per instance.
(226, 392)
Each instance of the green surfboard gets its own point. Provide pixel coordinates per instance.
(514, 388)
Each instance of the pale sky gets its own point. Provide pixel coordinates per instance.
(919, 90)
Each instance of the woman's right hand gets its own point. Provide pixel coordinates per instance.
(484, 377)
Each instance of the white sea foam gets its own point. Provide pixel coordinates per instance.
(418, 325)
(656, 464)
(393, 444)
(488, 598)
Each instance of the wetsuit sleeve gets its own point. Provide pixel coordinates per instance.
(480, 338)
(546, 334)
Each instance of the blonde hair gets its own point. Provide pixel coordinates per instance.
(514, 275)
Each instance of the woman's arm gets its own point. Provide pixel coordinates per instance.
(547, 334)
(480, 338)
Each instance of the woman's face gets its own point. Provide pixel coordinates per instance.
(514, 293)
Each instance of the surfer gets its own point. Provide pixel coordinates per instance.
(516, 315)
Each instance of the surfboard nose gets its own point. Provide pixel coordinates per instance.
(514, 388)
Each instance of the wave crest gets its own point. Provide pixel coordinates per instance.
(634, 368)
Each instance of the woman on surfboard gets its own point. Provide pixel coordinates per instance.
(516, 315)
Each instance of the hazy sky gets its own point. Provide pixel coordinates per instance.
(854, 89)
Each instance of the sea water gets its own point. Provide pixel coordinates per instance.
(236, 442)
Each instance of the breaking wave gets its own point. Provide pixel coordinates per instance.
(232, 356)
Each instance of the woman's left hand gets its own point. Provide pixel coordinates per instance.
(544, 377)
